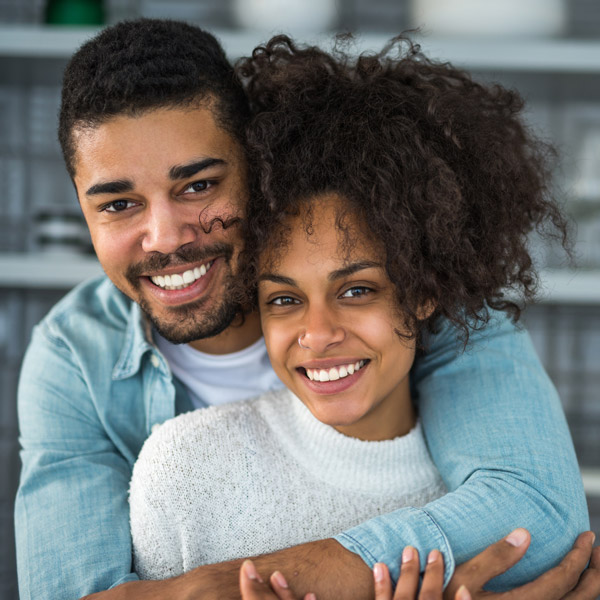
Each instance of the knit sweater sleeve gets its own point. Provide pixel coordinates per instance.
(156, 547)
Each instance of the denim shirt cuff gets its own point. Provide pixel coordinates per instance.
(125, 579)
(383, 538)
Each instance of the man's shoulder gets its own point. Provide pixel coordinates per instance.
(96, 302)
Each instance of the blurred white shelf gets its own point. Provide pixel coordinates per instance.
(570, 287)
(549, 55)
(591, 481)
(48, 271)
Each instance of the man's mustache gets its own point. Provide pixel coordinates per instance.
(182, 256)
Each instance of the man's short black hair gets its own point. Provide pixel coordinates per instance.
(140, 65)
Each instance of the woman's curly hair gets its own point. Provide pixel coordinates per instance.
(440, 169)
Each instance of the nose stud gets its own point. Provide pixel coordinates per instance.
(300, 338)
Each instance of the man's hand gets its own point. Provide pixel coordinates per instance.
(563, 582)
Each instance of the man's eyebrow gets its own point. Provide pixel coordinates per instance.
(338, 274)
(185, 171)
(353, 268)
(118, 186)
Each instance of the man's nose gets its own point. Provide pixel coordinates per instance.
(323, 329)
(167, 227)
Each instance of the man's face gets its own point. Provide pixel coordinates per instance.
(161, 194)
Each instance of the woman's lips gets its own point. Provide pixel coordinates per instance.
(335, 385)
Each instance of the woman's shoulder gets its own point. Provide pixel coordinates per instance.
(196, 432)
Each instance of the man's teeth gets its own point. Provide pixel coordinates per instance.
(335, 372)
(178, 281)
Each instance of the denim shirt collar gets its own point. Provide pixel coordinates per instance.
(138, 341)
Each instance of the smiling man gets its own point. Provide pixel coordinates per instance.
(151, 128)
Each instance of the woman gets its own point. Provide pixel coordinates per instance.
(390, 192)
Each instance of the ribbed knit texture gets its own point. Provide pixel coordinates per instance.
(255, 476)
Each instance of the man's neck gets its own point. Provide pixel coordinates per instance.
(238, 336)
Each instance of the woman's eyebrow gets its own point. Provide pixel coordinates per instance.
(353, 268)
(276, 279)
(337, 274)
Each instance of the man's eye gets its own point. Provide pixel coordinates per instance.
(197, 186)
(118, 206)
(284, 301)
(356, 292)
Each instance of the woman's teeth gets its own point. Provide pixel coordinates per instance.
(178, 281)
(335, 372)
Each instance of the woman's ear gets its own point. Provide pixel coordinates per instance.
(425, 310)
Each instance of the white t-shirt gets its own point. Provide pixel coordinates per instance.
(215, 379)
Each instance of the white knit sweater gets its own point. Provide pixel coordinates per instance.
(255, 476)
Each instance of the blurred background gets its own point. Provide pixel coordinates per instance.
(547, 49)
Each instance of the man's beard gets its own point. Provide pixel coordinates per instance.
(193, 321)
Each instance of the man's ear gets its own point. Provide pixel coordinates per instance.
(425, 310)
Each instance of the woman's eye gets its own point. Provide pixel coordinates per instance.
(356, 292)
(118, 206)
(284, 301)
(197, 186)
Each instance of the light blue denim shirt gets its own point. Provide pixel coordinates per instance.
(93, 386)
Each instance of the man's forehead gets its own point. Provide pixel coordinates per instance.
(173, 138)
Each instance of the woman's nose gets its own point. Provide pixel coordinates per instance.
(322, 331)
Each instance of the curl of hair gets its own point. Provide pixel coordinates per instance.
(440, 169)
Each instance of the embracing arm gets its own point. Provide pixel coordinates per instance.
(71, 513)
(497, 433)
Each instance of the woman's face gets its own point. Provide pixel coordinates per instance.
(351, 366)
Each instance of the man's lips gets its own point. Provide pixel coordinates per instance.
(183, 293)
(180, 277)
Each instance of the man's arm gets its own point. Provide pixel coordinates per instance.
(497, 433)
(71, 513)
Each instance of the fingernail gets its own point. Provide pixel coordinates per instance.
(280, 579)
(251, 571)
(408, 554)
(463, 593)
(593, 538)
(311, 596)
(517, 537)
(378, 573)
(433, 556)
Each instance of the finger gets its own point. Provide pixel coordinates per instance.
(462, 594)
(559, 581)
(408, 582)
(492, 561)
(588, 587)
(433, 580)
(383, 582)
(252, 586)
(280, 586)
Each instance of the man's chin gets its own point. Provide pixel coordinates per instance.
(190, 323)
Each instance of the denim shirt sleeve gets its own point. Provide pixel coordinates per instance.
(71, 511)
(497, 433)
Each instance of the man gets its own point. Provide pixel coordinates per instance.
(151, 128)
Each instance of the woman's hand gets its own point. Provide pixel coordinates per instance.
(408, 582)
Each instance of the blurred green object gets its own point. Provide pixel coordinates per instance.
(75, 12)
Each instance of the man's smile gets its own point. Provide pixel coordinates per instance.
(179, 281)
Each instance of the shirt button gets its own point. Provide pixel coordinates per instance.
(154, 427)
(154, 360)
